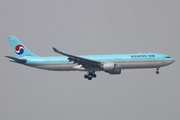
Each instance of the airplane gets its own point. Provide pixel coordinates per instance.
(109, 63)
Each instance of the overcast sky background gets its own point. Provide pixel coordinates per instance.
(90, 27)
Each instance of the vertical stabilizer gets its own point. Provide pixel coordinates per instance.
(18, 48)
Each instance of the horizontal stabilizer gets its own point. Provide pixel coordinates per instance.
(17, 59)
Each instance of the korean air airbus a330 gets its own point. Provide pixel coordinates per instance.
(109, 63)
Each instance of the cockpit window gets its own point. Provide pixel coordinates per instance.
(168, 57)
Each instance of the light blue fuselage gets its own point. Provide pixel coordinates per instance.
(122, 61)
(109, 63)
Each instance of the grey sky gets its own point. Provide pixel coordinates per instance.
(90, 27)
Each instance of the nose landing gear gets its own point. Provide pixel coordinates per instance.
(90, 75)
(157, 72)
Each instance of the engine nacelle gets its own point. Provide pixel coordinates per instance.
(108, 67)
(115, 72)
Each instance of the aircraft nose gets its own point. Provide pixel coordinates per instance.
(172, 61)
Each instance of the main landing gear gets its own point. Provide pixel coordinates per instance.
(90, 75)
(157, 72)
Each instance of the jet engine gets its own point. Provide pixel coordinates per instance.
(110, 68)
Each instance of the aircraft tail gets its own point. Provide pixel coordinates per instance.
(18, 48)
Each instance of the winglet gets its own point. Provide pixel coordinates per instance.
(56, 50)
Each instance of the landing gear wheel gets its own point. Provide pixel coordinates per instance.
(89, 78)
(85, 76)
(94, 75)
(90, 75)
(157, 72)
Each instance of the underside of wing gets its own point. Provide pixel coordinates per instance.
(76, 59)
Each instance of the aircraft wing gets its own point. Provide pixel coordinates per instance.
(79, 60)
